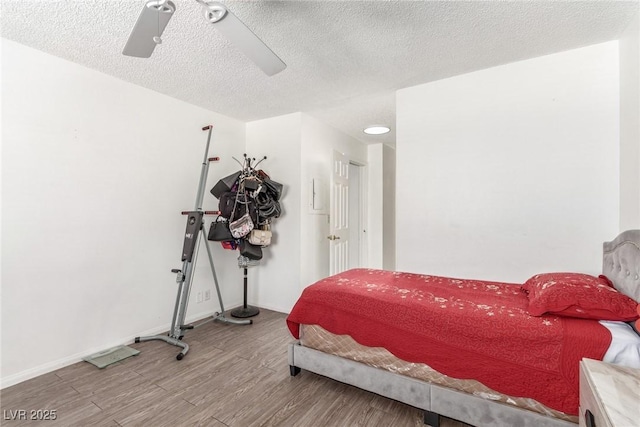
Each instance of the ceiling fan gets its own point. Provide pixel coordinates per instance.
(156, 14)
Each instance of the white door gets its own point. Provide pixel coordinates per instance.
(339, 215)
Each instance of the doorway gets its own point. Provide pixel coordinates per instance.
(347, 219)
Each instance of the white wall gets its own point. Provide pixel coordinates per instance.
(381, 228)
(318, 144)
(375, 217)
(630, 126)
(510, 171)
(95, 172)
(299, 148)
(1, 214)
(389, 208)
(275, 283)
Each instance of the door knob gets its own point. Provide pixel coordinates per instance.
(333, 237)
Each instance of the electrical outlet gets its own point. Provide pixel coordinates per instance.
(199, 298)
(207, 295)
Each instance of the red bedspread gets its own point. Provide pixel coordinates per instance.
(466, 329)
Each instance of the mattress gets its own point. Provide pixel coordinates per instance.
(314, 336)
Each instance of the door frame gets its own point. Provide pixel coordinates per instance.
(363, 213)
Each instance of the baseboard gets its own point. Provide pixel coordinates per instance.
(75, 358)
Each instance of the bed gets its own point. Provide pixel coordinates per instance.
(467, 349)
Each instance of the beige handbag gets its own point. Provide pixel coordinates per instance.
(260, 237)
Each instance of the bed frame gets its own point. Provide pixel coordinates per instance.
(621, 264)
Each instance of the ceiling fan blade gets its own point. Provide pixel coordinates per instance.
(241, 36)
(151, 23)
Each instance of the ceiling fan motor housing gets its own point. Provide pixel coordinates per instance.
(214, 12)
(161, 6)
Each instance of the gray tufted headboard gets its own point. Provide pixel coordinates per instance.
(621, 263)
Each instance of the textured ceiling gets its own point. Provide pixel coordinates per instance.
(345, 58)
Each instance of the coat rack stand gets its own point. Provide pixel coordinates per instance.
(246, 310)
(257, 195)
(193, 233)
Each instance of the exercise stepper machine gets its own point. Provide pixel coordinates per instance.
(195, 229)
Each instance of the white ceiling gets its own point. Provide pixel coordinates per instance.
(345, 59)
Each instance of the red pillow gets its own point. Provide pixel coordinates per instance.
(577, 295)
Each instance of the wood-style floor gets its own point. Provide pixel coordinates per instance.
(232, 376)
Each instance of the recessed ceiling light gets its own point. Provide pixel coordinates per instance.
(376, 130)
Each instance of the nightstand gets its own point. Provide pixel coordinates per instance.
(609, 395)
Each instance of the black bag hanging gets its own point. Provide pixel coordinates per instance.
(219, 231)
(251, 183)
(227, 201)
(268, 207)
(234, 205)
(250, 251)
(225, 184)
(273, 188)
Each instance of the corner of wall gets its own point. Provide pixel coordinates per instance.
(389, 208)
(629, 48)
(375, 206)
(274, 284)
